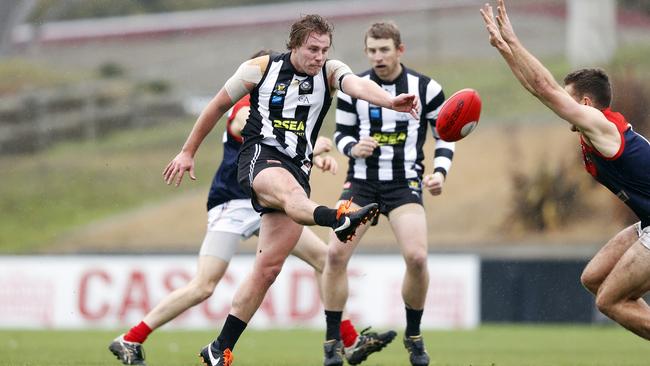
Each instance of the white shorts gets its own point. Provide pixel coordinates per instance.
(236, 216)
(644, 234)
(228, 224)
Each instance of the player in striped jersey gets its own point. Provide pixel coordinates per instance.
(614, 154)
(290, 95)
(385, 166)
(231, 218)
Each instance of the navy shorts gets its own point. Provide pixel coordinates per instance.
(258, 157)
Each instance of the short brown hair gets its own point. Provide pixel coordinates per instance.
(301, 29)
(384, 30)
(593, 83)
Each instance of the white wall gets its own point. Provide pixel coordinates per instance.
(117, 291)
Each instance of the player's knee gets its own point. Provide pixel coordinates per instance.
(337, 261)
(205, 290)
(416, 261)
(202, 290)
(269, 273)
(319, 264)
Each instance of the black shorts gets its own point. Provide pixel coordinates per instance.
(258, 157)
(389, 195)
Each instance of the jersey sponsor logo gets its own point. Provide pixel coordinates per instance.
(277, 99)
(375, 113)
(280, 89)
(389, 138)
(414, 184)
(303, 99)
(297, 127)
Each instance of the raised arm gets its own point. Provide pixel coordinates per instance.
(540, 82)
(502, 46)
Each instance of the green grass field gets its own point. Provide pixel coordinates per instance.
(492, 345)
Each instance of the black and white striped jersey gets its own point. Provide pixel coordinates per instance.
(287, 110)
(400, 136)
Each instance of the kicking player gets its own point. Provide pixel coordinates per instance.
(231, 218)
(385, 151)
(614, 154)
(290, 95)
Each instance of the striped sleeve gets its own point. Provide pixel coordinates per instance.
(346, 135)
(444, 152)
(443, 156)
(434, 99)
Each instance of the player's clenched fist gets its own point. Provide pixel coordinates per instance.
(433, 183)
(364, 147)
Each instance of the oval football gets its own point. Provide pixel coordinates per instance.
(459, 115)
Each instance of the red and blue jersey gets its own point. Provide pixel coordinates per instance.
(627, 173)
(225, 186)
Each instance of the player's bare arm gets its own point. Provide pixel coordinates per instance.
(501, 45)
(368, 90)
(588, 120)
(241, 83)
(184, 161)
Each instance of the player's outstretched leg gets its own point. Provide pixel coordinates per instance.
(417, 353)
(213, 355)
(349, 219)
(130, 353)
(366, 344)
(333, 350)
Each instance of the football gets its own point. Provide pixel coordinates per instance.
(459, 115)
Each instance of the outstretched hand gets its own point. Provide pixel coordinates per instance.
(490, 24)
(407, 103)
(183, 162)
(505, 27)
(499, 27)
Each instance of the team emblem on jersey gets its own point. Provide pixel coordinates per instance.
(305, 85)
(280, 89)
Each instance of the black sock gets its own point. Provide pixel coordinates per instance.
(333, 320)
(232, 329)
(325, 216)
(413, 320)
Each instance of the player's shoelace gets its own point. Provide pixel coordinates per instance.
(227, 357)
(344, 208)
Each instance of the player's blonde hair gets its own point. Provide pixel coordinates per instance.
(301, 29)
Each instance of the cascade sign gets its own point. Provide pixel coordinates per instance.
(117, 291)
